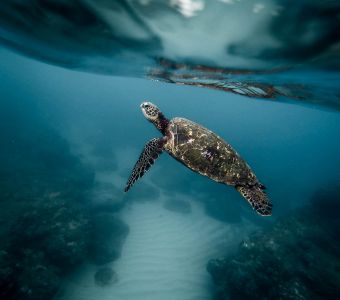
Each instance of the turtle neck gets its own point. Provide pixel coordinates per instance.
(161, 123)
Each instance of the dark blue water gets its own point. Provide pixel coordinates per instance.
(71, 132)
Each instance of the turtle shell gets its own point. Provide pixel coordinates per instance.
(206, 153)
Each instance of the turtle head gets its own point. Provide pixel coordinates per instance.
(150, 111)
(154, 115)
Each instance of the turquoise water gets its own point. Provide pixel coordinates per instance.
(71, 130)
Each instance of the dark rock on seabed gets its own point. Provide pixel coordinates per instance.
(298, 258)
(105, 276)
(45, 225)
(108, 236)
(46, 220)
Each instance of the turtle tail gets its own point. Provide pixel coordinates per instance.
(257, 198)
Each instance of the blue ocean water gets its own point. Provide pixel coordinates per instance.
(71, 130)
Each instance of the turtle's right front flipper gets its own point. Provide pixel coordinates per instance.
(147, 158)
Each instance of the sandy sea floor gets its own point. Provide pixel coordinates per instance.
(164, 256)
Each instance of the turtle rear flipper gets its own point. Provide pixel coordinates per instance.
(147, 158)
(257, 199)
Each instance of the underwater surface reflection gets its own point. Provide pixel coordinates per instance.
(266, 49)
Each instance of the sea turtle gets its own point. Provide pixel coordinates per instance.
(202, 151)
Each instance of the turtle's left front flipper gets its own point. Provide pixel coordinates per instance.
(147, 158)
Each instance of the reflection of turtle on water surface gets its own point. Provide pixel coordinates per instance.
(202, 151)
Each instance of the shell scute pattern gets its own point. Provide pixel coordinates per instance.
(206, 153)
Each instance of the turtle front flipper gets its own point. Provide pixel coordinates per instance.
(257, 199)
(147, 158)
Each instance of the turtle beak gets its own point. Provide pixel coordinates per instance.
(144, 104)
